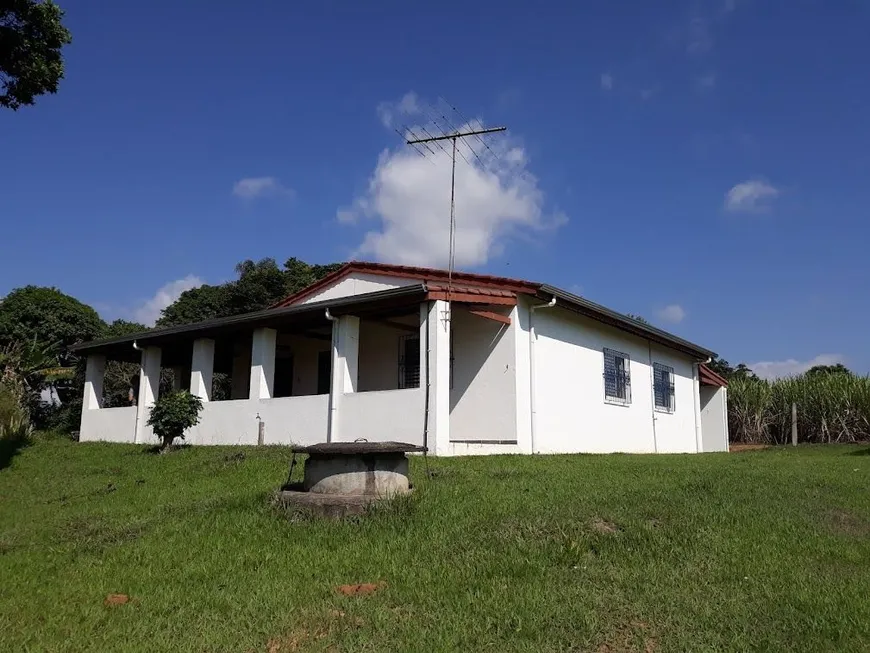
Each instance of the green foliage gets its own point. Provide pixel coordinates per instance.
(196, 305)
(50, 317)
(832, 407)
(14, 418)
(823, 370)
(259, 285)
(120, 328)
(174, 413)
(31, 39)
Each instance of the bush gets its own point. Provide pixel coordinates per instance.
(14, 419)
(172, 414)
(831, 408)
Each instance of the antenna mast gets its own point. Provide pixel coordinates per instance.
(456, 135)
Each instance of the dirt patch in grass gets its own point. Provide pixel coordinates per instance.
(737, 448)
(604, 527)
(634, 637)
(313, 629)
(361, 589)
(843, 522)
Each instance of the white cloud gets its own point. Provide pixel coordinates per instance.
(672, 314)
(253, 187)
(607, 81)
(409, 197)
(751, 196)
(391, 113)
(149, 311)
(792, 367)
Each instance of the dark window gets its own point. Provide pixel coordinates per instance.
(409, 361)
(324, 371)
(284, 376)
(617, 377)
(663, 387)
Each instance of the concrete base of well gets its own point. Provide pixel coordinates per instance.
(334, 506)
(373, 475)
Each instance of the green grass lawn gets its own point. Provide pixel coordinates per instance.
(764, 551)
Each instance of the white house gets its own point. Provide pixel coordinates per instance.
(471, 364)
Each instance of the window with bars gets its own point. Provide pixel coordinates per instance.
(663, 387)
(409, 361)
(617, 377)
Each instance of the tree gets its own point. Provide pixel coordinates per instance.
(827, 370)
(300, 274)
(259, 285)
(31, 38)
(196, 305)
(172, 414)
(46, 318)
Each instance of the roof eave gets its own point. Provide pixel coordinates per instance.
(605, 315)
(265, 317)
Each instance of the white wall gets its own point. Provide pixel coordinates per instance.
(288, 420)
(675, 431)
(305, 352)
(714, 418)
(358, 284)
(379, 355)
(572, 415)
(483, 396)
(108, 424)
(395, 415)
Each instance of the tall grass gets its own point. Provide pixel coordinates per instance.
(14, 418)
(830, 408)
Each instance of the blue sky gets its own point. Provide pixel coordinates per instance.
(703, 164)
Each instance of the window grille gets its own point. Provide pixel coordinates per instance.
(663, 387)
(617, 377)
(409, 361)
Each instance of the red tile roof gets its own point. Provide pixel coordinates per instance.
(428, 275)
(709, 377)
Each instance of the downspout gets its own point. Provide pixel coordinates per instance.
(333, 404)
(652, 380)
(532, 337)
(696, 368)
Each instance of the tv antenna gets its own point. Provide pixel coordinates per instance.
(454, 136)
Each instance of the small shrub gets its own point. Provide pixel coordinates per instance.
(172, 414)
(14, 419)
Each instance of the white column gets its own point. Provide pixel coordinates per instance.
(149, 389)
(345, 369)
(241, 370)
(263, 364)
(202, 368)
(95, 370)
(696, 399)
(438, 324)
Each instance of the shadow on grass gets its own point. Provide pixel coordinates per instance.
(158, 449)
(860, 452)
(9, 448)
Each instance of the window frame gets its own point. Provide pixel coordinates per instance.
(616, 400)
(658, 370)
(402, 363)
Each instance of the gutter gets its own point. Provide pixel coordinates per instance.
(532, 371)
(332, 423)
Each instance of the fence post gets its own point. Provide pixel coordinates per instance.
(794, 434)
